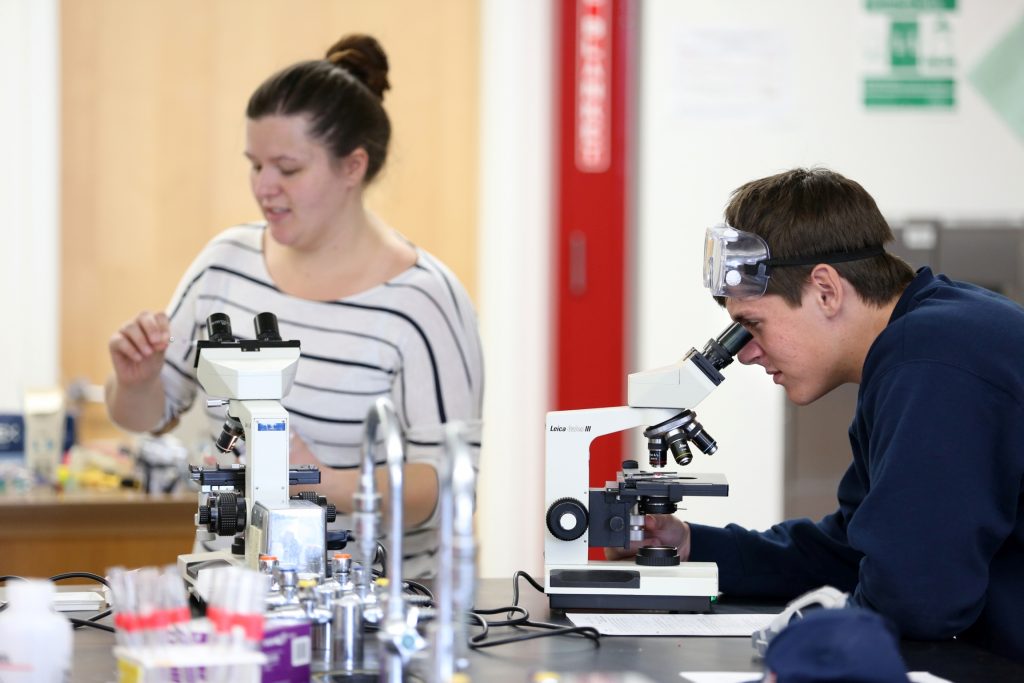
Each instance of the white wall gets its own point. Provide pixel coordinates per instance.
(516, 155)
(29, 346)
(739, 89)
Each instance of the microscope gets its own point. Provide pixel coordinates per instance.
(252, 503)
(579, 517)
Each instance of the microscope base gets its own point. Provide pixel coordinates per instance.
(687, 587)
(193, 565)
(631, 603)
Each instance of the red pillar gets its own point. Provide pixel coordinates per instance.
(594, 166)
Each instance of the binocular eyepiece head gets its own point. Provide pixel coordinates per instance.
(218, 327)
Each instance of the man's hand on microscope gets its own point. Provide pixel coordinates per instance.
(658, 530)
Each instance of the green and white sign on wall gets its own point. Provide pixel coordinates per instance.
(999, 77)
(910, 56)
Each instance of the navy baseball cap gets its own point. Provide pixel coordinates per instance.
(851, 644)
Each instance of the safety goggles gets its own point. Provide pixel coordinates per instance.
(738, 264)
(735, 263)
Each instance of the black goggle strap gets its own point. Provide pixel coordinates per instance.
(833, 257)
(759, 268)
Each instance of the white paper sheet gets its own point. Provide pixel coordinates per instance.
(672, 624)
(78, 601)
(744, 676)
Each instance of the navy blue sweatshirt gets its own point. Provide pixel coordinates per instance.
(930, 525)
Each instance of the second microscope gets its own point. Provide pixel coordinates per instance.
(579, 517)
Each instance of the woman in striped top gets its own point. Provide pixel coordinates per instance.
(375, 315)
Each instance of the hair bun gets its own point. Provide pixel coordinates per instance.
(363, 57)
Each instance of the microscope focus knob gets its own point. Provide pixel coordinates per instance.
(225, 515)
(330, 509)
(567, 519)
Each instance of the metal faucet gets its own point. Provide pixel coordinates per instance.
(366, 500)
(456, 575)
(398, 636)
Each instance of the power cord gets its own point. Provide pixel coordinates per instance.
(75, 622)
(519, 617)
(417, 588)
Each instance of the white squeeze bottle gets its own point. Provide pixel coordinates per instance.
(35, 641)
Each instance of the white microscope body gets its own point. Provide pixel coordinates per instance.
(251, 377)
(579, 517)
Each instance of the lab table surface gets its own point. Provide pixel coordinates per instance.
(658, 658)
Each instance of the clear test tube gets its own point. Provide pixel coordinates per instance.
(174, 601)
(148, 605)
(253, 606)
(222, 608)
(119, 604)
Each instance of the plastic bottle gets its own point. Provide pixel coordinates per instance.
(35, 641)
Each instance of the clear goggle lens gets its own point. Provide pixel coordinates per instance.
(734, 263)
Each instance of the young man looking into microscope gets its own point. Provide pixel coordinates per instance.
(929, 529)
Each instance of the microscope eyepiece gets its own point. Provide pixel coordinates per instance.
(218, 328)
(266, 327)
(720, 351)
(734, 338)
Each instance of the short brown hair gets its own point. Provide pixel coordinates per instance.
(804, 212)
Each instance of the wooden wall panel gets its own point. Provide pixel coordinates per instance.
(43, 534)
(153, 97)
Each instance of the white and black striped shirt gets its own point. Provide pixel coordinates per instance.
(413, 338)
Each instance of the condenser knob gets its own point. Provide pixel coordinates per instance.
(657, 556)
